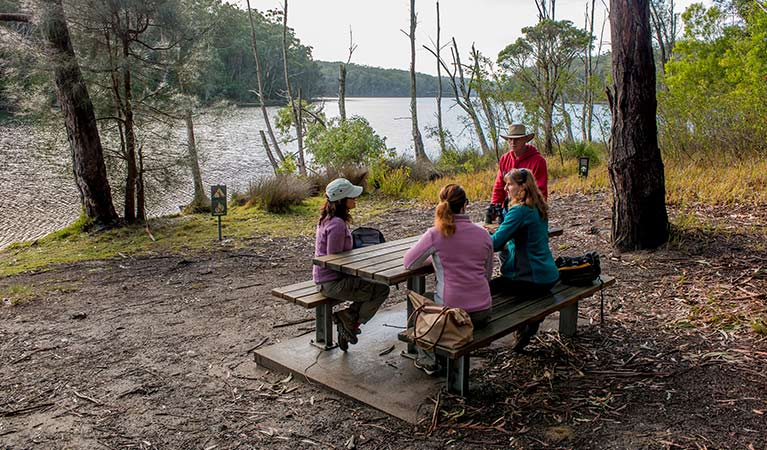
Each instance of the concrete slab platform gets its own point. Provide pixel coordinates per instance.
(388, 382)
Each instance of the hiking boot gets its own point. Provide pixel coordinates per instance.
(431, 368)
(522, 338)
(347, 323)
(343, 341)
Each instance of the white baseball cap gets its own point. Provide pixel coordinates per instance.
(341, 188)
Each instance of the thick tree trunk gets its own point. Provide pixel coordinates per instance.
(200, 201)
(140, 193)
(79, 118)
(342, 91)
(635, 165)
(420, 153)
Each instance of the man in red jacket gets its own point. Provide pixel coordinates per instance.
(521, 155)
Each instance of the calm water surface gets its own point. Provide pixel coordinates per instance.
(37, 194)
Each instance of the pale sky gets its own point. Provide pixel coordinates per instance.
(376, 24)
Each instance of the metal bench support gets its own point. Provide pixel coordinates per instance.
(568, 320)
(458, 375)
(323, 321)
(415, 284)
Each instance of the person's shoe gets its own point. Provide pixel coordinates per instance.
(524, 336)
(357, 329)
(345, 321)
(343, 341)
(431, 368)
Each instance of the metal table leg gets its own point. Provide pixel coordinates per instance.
(323, 321)
(458, 375)
(415, 284)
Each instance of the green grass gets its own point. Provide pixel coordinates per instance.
(16, 293)
(174, 235)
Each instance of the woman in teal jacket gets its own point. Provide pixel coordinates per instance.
(523, 238)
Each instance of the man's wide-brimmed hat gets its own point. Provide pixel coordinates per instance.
(517, 130)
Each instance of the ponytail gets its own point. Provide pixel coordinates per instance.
(452, 198)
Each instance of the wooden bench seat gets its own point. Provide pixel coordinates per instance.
(307, 294)
(511, 313)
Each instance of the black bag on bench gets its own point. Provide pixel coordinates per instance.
(364, 236)
(579, 270)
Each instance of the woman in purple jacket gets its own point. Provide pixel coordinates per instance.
(462, 255)
(333, 236)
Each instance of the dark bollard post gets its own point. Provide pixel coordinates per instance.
(583, 166)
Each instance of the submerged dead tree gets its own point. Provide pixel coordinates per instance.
(79, 118)
(342, 78)
(637, 178)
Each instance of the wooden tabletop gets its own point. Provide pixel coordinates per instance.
(382, 262)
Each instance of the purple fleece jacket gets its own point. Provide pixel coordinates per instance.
(333, 236)
(462, 262)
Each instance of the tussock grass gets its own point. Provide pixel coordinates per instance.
(277, 193)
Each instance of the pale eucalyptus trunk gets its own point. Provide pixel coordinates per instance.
(293, 108)
(420, 153)
(200, 200)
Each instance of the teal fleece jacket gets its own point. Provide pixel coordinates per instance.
(526, 236)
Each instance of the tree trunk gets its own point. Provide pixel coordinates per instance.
(294, 109)
(639, 218)
(200, 200)
(440, 130)
(342, 91)
(130, 137)
(140, 193)
(261, 86)
(268, 151)
(420, 153)
(79, 118)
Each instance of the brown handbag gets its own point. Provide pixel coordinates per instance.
(430, 324)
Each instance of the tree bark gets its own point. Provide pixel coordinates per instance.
(420, 153)
(639, 217)
(261, 86)
(200, 200)
(130, 135)
(79, 118)
(440, 130)
(294, 109)
(342, 91)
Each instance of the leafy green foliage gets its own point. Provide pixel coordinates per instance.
(453, 161)
(573, 150)
(716, 97)
(349, 143)
(366, 81)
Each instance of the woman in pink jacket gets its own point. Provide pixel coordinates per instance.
(462, 255)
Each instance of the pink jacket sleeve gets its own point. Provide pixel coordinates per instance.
(420, 254)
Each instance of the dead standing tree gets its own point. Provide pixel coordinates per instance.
(342, 78)
(639, 217)
(462, 92)
(274, 161)
(79, 117)
(295, 109)
(420, 153)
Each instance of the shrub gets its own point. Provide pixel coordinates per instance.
(392, 180)
(277, 193)
(349, 143)
(571, 151)
(453, 161)
(356, 175)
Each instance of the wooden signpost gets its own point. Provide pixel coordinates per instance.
(218, 203)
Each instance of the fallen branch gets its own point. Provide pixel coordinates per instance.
(435, 415)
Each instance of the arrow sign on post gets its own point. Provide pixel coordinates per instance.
(218, 203)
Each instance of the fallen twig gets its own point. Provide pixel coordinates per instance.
(44, 349)
(85, 397)
(435, 415)
(255, 347)
(28, 409)
(293, 322)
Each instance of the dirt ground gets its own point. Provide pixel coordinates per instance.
(157, 352)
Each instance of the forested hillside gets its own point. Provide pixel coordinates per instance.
(366, 81)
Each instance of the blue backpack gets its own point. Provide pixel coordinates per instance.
(364, 236)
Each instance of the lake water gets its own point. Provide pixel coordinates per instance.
(37, 194)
